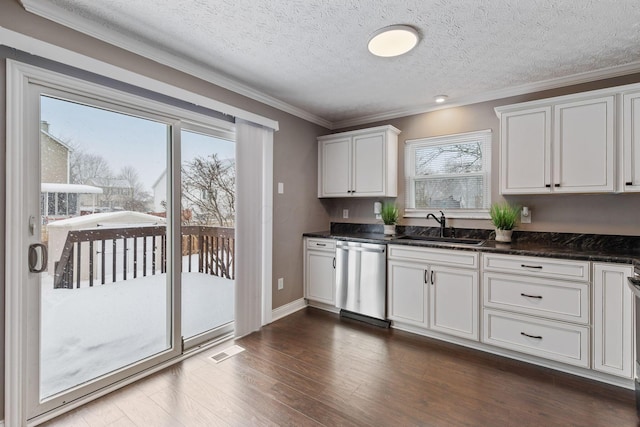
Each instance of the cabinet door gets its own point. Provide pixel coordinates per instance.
(525, 159)
(453, 302)
(631, 140)
(320, 276)
(335, 172)
(613, 320)
(583, 146)
(407, 293)
(369, 165)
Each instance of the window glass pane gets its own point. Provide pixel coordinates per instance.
(110, 307)
(449, 172)
(448, 159)
(72, 203)
(51, 203)
(450, 193)
(62, 204)
(208, 232)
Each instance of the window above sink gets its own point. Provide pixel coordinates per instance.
(450, 173)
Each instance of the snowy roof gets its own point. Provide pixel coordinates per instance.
(58, 140)
(51, 187)
(108, 218)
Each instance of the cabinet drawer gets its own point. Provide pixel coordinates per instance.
(555, 299)
(534, 266)
(552, 340)
(321, 244)
(434, 256)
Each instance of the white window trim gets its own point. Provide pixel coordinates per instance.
(409, 165)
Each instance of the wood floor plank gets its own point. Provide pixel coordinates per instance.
(187, 410)
(143, 411)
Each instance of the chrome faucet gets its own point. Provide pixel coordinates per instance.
(442, 221)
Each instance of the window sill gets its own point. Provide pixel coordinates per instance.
(471, 214)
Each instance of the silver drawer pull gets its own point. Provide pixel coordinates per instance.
(532, 296)
(531, 266)
(538, 337)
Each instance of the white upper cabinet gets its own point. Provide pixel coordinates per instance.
(335, 165)
(525, 152)
(630, 161)
(362, 163)
(584, 146)
(559, 145)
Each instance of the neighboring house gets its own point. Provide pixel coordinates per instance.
(115, 193)
(58, 198)
(56, 152)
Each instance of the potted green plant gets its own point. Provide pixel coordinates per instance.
(389, 214)
(504, 218)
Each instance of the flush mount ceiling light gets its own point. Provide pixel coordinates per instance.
(441, 98)
(393, 41)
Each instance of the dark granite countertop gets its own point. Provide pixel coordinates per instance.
(585, 247)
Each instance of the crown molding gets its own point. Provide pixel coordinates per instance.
(574, 79)
(56, 14)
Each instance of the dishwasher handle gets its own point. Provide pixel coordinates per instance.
(359, 249)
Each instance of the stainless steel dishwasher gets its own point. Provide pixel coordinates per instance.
(361, 281)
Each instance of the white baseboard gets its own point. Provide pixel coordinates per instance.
(287, 309)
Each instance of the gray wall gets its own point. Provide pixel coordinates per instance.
(295, 152)
(601, 214)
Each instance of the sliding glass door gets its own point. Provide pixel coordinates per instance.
(129, 250)
(102, 306)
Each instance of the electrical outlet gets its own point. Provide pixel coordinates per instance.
(525, 216)
(281, 188)
(345, 213)
(280, 284)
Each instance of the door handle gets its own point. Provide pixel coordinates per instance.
(33, 258)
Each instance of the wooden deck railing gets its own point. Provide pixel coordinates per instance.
(127, 253)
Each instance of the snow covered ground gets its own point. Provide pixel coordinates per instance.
(88, 332)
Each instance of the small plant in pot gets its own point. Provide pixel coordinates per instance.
(389, 214)
(504, 217)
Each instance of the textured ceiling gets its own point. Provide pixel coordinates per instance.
(311, 54)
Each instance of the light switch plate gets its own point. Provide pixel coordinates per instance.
(345, 213)
(280, 284)
(280, 188)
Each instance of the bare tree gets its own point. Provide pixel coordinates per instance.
(89, 169)
(138, 198)
(208, 190)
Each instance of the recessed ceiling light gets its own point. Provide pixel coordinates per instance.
(393, 41)
(441, 98)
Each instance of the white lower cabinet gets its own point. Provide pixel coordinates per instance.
(613, 305)
(538, 306)
(407, 292)
(435, 289)
(562, 342)
(319, 270)
(453, 301)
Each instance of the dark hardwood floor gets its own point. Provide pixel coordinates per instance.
(312, 368)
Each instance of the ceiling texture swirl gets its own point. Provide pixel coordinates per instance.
(310, 58)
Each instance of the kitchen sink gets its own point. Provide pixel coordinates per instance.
(449, 240)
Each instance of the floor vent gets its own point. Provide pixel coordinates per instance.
(226, 353)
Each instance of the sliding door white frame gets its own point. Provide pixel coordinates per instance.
(17, 76)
